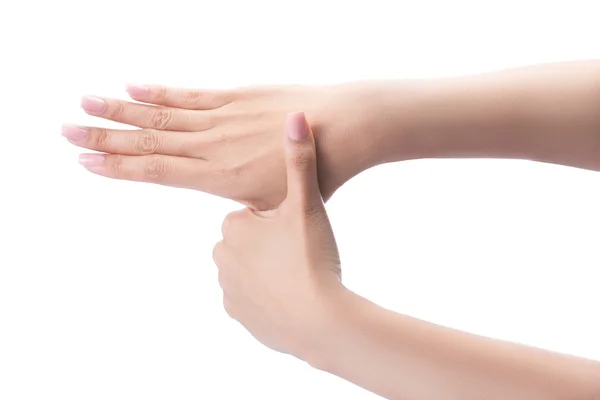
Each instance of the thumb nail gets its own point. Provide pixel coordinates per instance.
(297, 127)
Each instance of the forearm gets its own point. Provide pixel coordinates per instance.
(548, 113)
(400, 357)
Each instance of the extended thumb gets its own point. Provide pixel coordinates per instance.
(301, 160)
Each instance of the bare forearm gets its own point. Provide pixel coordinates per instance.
(548, 113)
(400, 357)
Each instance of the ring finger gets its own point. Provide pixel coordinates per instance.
(137, 142)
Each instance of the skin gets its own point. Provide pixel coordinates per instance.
(277, 267)
(289, 295)
(280, 274)
(226, 142)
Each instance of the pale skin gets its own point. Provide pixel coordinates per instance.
(290, 296)
(225, 142)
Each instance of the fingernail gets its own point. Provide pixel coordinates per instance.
(74, 132)
(91, 160)
(137, 90)
(93, 105)
(297, 127)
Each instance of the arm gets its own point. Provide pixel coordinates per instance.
(224, 141)
(548, 113)
(280, 274)
(400, 357)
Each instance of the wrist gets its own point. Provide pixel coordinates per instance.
(367, 119)
(405, 109)
(387, 127)
(335, 328)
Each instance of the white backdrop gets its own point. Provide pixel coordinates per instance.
(108, 289)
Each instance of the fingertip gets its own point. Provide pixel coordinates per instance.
(75, 133)
(297, 128)
(93, 105)
(92, 159)
(94, 163)
(136, 90)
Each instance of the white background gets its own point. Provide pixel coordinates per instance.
(108, 289)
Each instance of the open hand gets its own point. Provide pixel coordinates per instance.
(225, 142)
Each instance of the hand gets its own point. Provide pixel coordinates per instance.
(227, 142)
(278, 269)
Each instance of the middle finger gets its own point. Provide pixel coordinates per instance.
(147, 116)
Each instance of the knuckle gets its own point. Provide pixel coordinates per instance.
(222, 280)
(229, 307)
(162, 118)
(302, 161)
(156, 168)
(217, 253)
(102, 138)
(225, 227)
(233, 224)
(116, 164)
(148, 142)
(118, 110)
(160, 93)
(192, 97)
(227, 224)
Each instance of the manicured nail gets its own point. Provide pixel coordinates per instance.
(74, 133)
(91, 160)
(137, 90)
(93, 105)
(297, 127)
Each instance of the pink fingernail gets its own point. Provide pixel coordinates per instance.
(137, 90)
(74, 132)
(91, 160)
(93, 105)
(297, 127)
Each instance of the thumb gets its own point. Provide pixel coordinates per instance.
(301, 162)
